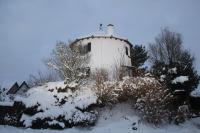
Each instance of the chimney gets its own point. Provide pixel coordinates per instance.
(110, 29)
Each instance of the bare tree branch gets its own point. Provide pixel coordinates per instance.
(68, 62)
(167, 47)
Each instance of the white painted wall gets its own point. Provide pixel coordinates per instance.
(106, 53)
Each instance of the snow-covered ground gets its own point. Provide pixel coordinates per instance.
(52, 104)
(120, 119)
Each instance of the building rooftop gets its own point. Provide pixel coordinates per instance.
(101, 33)
(100, 36)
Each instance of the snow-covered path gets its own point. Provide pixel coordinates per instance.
(117, 120)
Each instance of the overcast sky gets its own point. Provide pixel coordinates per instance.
(29, 29)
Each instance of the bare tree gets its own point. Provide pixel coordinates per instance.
(167, 47)
(68, 62)
(41, 78)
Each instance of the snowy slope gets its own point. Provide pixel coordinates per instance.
(117, 120)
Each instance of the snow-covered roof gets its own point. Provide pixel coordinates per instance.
(102, 34)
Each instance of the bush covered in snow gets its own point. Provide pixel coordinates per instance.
(60, 105)
(46, 107)
(149, 97)
(180, 79)
(103, 88)
(4, 97)
(177, 76)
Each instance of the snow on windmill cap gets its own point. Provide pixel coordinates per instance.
(110, 29)
(109, 32)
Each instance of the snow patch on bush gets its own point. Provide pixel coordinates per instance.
(6, 103)
(180, 79)
(173, 70)
(196, 93)
(54, 122)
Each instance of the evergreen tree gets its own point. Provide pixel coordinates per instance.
(138, 55)
(173, 65)
(173, 76)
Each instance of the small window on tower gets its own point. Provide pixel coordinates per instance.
(89, 47)
(126, 51)
(84, 49)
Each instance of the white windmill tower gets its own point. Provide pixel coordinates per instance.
(106, 50)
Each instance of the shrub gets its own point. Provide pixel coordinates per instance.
(48, 107)
(149, 97)
(182, 114)
(103, 88)
(152, 101)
